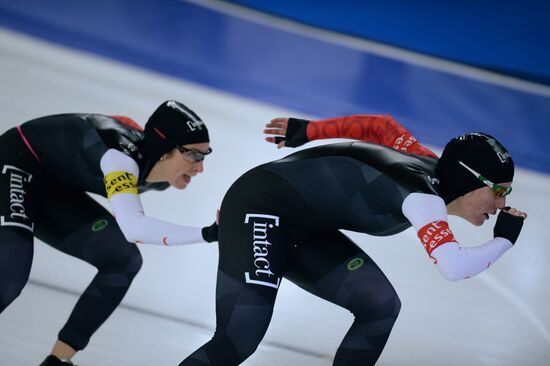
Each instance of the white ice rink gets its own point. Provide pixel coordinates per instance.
(498, 318)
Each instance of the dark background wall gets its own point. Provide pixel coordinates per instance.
(507, 36)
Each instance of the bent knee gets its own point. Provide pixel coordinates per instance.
(128, 262)
(135, 261)
(380, 300)
(397, 305)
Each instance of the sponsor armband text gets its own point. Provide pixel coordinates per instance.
(434, 235)
(120, 182)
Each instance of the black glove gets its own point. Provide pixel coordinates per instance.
(210, 233)
(296, 132)
(508, 226)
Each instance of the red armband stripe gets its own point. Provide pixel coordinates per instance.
(434, 235)
(404, 141)
(128, 122)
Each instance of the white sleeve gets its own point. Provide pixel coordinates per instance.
(129, 214)
(453, 261)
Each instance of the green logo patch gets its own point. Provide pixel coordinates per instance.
(99, 225)
(355, 263)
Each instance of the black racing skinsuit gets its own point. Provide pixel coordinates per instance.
(42, 194)
(282, 219)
